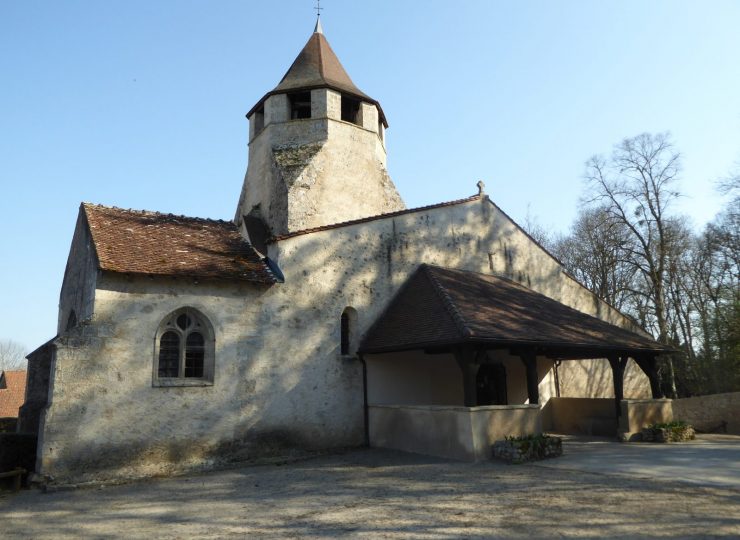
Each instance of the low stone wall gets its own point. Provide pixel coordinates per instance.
(462, 433)
(582, 416)
(710, 413)
(640, 413)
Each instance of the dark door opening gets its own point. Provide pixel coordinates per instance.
(491, 385)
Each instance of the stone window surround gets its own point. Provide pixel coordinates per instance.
(209, 353)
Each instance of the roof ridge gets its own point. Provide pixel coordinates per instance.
(370, 218)
(447, 302)
(322, 70)
(156, 213)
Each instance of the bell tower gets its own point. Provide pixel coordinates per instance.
(316, 149)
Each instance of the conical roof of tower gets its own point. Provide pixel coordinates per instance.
(317, 66)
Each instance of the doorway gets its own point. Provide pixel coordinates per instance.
(491, 385)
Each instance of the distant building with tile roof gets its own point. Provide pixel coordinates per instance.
(326, 314)
(12, 392)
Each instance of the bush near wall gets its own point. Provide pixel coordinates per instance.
(677, 431)
(528, 448)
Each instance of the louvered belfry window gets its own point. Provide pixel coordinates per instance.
(183, 346)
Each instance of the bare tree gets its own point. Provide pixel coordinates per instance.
(12, 355)
(594, 251)
(536, 230)
(635, 186)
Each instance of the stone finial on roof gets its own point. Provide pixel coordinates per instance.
(481, 187)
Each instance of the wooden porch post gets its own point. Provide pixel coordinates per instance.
(618, 364)
(649, 366)
(530, 364)
(466, 359)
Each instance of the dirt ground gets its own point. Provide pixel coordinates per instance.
(378, 494)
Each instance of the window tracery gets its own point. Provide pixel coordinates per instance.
(184, 349)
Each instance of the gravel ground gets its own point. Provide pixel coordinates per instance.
(378, 494)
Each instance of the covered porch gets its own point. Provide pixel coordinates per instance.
(460, 360)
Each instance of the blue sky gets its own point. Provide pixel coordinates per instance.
(141, 104)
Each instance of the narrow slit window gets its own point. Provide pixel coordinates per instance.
(348, 332)
(345, 333)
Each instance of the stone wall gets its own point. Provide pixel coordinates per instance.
(587, 416)
(37, 388)
(280, 381)
(463, 433)
(278, 386)
(80, 275)
(710, 413)
(594, 379)
(640, 413)
(312, 172)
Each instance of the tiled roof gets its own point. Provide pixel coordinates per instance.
(442, 306)
(12, 392)
(140, 242)
(373, 218)
(317, 66)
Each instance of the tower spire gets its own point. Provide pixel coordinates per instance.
(317, 29)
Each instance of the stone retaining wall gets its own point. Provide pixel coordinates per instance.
(462, 433)
(710, 413)
(640, 413)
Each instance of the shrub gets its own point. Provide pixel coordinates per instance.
(676, 431)
(528, 447)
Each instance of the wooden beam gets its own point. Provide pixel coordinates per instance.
(649, 365)
(529, 358)
(618, 363)
(466, 358)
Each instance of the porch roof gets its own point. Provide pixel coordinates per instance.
(442, 307)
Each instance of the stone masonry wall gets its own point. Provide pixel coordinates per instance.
(80, 275)
(37, 388)
(280, 380)
(708, 413)
(312, 172)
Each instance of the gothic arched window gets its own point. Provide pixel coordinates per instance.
(184, 349)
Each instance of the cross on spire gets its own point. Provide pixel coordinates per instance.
(318, 8)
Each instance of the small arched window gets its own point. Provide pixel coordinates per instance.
(184, 349)
(348, 332)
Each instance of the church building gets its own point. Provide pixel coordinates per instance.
(325, 315)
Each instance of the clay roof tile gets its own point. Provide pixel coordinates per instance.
(151, 243)
(444, 306)
(12, 393)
